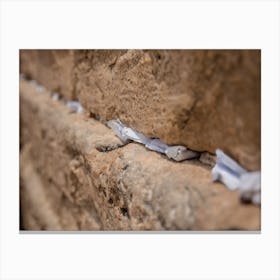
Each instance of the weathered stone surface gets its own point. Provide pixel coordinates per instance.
(75, 170)
(54, 69)
(203, 99)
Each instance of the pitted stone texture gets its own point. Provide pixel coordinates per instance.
(203, 99)
(127, 188)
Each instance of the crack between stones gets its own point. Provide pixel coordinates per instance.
(107, 148)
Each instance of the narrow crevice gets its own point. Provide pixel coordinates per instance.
(107, 147)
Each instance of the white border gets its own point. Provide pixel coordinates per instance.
(190, 24)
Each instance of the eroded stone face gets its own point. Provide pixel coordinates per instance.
(77, 175)
(202, 99)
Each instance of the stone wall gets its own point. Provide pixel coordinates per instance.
(77, 175)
